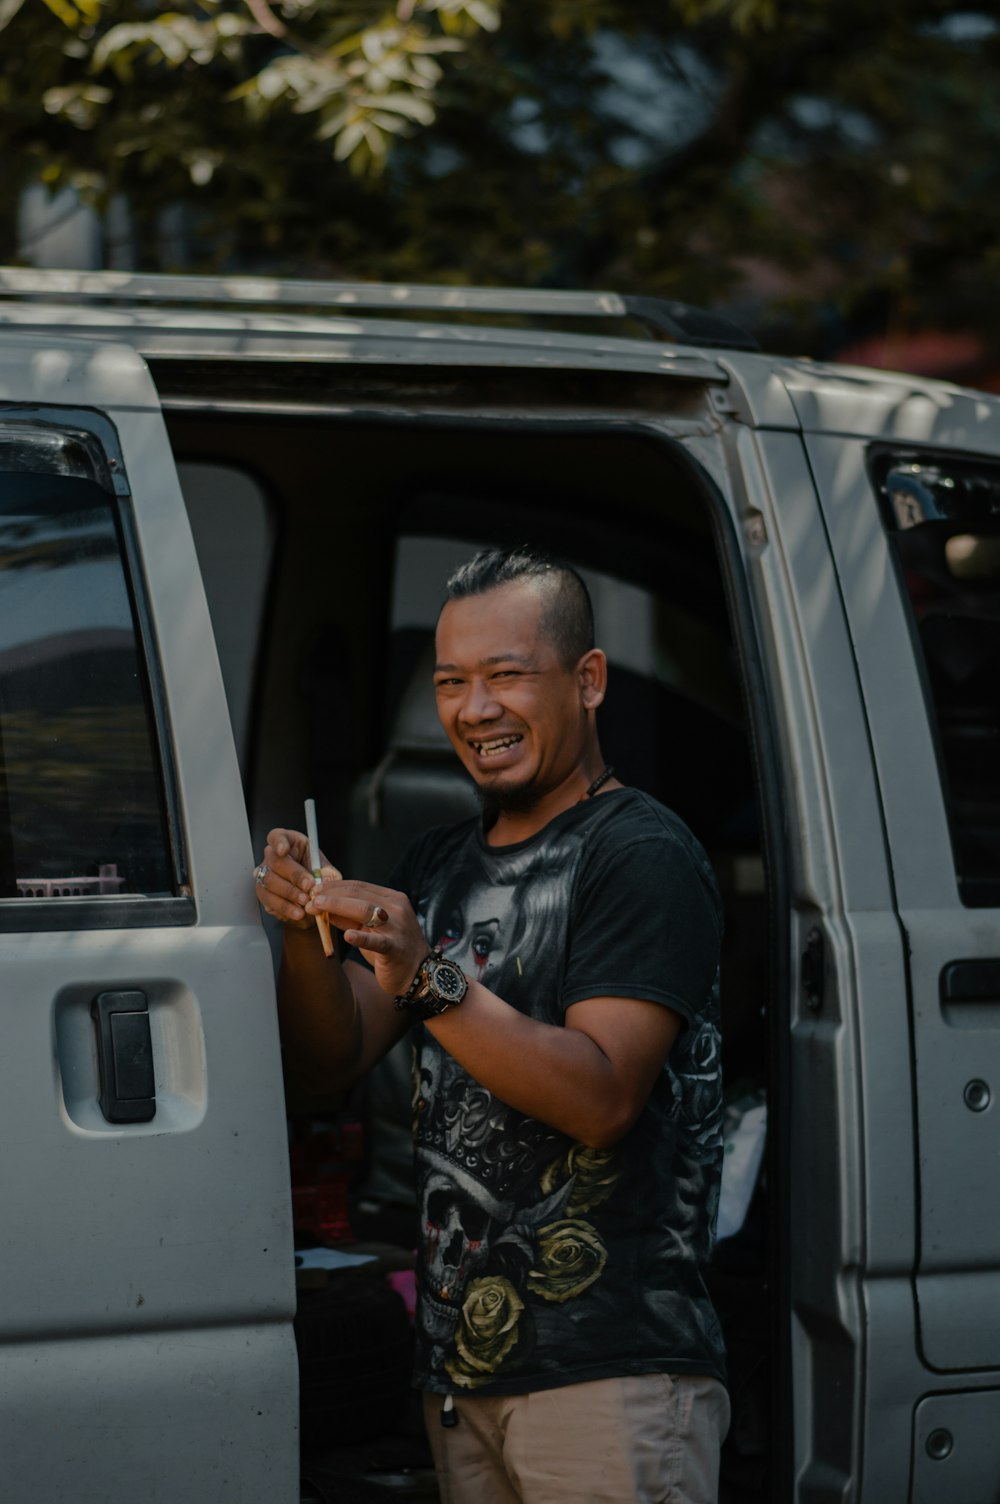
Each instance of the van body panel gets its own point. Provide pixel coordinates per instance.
(758, 393)
(959, 1169)
(956, 1454)
(841, 891)
(159, 1416)
(835, 807)
(897, 408)
(147, 1276)
(903, 743)
(841, 399)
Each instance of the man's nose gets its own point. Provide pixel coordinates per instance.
(479, 704)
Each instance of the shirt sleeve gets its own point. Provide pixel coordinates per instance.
(646, 923)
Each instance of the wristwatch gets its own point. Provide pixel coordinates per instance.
(439, 984)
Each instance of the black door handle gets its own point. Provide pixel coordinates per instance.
(971, 982)
(125, 1056)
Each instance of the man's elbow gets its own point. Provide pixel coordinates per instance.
(608, 1127)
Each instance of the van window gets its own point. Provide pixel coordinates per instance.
(82, 813)
(944, 520)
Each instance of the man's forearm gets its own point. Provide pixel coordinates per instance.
(588, 1077)
(589, 1082)
(321, 1022)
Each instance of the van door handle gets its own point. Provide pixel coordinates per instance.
(970, 994)
(125, 1056)
(971, 982)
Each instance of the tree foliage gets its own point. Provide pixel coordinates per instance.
(365, 74)
(820, 166)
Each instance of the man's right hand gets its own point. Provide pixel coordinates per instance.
(335, 1020)
(287, 882)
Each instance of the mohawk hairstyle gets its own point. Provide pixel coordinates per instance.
(568, 616)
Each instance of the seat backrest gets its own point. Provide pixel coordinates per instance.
(417, 783)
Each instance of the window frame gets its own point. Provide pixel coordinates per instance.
(134, 910)
(975, 891)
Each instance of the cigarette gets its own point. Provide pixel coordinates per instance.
(322, 920)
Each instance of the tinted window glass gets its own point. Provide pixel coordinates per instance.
(944, 518)
(81, 807)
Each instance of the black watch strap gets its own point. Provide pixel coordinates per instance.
(406, 999)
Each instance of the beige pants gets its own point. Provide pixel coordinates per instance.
(651, 1439)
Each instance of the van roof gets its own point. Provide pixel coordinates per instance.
(250, 318)
(239, 318)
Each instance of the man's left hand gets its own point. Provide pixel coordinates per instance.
(381, 923)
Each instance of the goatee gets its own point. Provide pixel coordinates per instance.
(517, 799)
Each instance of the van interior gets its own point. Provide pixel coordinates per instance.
(325, 540)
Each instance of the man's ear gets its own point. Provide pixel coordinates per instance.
(592, 672)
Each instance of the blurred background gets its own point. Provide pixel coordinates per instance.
(825, 171)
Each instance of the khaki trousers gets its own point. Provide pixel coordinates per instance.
(648, 1439)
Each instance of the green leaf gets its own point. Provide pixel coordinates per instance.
(348, 139)
(410, 105)
(177, 38)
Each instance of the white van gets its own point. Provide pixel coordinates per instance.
(796, 571)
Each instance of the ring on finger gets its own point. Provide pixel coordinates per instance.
(377, 916)
(260, 874)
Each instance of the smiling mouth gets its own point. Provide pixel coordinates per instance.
(495, 745)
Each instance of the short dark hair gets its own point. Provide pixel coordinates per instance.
(568, 617)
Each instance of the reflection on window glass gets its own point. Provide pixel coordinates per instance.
(81, 809)
(945, 521)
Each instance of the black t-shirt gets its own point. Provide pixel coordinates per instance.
(544, 1262)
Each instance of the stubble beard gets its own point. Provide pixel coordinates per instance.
(514, 799)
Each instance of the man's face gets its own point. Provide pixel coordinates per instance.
(514, 713)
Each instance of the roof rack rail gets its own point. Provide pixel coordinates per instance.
(685, 325)
(676, 323)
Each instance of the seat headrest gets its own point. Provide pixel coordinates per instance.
(415, 724)
(418, 734)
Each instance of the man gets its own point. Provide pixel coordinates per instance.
(559, 958)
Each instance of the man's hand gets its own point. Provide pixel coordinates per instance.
(284, 889)
(335, 1024)
(380, 922)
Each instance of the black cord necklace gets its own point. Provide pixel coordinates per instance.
(599, 782)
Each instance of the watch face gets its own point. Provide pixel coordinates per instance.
(448, 982)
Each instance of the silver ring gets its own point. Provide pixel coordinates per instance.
(377, 916)
(260, 874)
